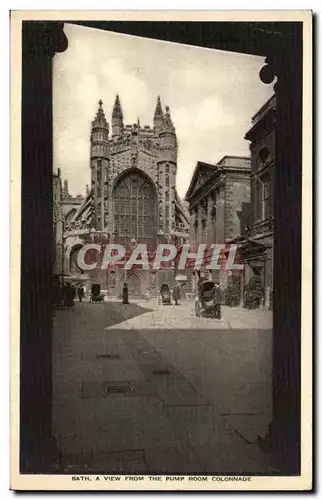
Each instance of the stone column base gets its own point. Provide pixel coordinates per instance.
(282, 443)
(39, 455)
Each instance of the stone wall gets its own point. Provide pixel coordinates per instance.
(237, 192)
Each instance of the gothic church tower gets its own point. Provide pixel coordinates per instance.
(133, 196)
(151, 155)
(99, 168)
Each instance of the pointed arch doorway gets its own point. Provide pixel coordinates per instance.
(134, 284)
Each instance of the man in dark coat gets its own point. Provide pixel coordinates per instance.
(217, 301)
(80, 293)
(176, 293)
(68, 295)
(125, 294)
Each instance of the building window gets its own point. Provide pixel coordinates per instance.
(264, 157)
(167, 212)
(253, 200)
(266, 201)
(259, 200)
(135, 208)
(167, 180)
(265, 196)
(99, 171)
(167, 169)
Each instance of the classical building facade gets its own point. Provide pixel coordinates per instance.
(218, 195)
(256, 241)
(133, 197)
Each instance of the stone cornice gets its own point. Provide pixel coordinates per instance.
(260, 128)
(262, 170)
(202, 192)
(216, 180)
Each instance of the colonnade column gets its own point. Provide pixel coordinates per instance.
(192, 230)
(209, 221)
(38, 452)
(199, 225)
(284, 436)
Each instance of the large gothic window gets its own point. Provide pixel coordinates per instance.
(135, 210)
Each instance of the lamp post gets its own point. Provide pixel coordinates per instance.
(102, 233)
(59, 249)
(132, 245)
(60, 244)
(175, 241)
(126, 240)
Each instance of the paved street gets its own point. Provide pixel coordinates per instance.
(144, 388)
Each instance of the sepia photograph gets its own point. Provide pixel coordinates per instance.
(161, 205)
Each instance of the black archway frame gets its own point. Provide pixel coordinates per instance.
(281, 44)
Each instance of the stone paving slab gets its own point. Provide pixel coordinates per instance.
(250, 426)
(201, 426)
(179, 393)
(127, 461)
(183, 316)
(233, 375)
(174, 461)
(233, 459)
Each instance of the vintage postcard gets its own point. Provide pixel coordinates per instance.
(161, 197)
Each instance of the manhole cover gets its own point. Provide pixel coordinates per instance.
(107, 356)
(119, 388)
(98, 390)
(161, 373)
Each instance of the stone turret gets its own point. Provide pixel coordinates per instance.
(117, 119)
(167, 169)
(168, 139)
(99, 165)
(99, 134)
(65, 190)
(158, 116)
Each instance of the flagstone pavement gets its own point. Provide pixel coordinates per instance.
(150, 389)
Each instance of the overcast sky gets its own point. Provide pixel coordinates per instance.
(212, 97)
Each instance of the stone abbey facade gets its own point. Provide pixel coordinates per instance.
(133, 197)
(70, 204)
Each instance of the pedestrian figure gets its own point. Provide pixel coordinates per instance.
(125, 294)
(68, 295)
(60, 296)
(165, 294)
(57, 294)
(80, 293)
(176, 293)
(217, 301)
